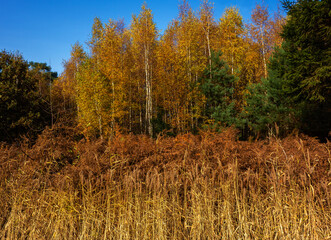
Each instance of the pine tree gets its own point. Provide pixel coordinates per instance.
(269, 109)
(217, 86)
(307, 51)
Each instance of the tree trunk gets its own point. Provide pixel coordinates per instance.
(100, 127)
(263, 54)
(98, 110)
(209, 51)
(51, 104)
(130, 102)
(148, 94)
(113, 108)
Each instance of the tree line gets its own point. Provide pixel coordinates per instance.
(136, 79)
(270, 74)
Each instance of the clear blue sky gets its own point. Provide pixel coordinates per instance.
(45, 30)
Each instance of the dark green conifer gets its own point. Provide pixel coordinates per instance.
(218, 86)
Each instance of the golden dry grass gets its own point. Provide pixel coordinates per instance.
(209, 186)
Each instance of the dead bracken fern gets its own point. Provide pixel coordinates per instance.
(209, 186)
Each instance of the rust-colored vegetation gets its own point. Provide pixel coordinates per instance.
(210, 186)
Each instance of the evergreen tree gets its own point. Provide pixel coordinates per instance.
(268, 108)
(307, 49)
(217, 86)
(297, 92)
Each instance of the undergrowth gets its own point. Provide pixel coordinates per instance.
(208, 186)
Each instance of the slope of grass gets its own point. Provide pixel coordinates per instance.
(209, 186)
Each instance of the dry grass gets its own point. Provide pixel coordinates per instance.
(189, 187)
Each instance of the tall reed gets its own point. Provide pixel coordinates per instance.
(209, 186)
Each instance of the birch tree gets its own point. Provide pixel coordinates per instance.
(111, 65)
(144, 40)
(260, 32)
(65, 85)
(92, 96)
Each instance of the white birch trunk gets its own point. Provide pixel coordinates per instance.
(263, 54)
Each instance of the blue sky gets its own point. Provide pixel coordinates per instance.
(45, 30)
